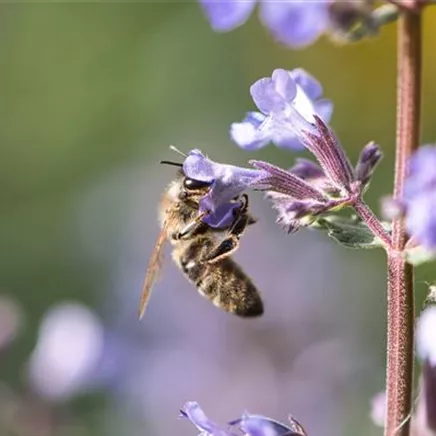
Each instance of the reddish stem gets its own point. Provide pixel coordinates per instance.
(399, 377)
(373, 223)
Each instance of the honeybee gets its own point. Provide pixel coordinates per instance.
(202, 252)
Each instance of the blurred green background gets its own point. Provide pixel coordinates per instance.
(90, 89)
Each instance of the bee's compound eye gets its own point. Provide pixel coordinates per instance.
(194, 184)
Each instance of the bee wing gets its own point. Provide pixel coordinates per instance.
(154, 266)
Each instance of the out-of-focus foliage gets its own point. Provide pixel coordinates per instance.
(91, 97)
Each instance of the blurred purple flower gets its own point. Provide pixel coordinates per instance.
(287, 100)
(426, 336)
(227, 183)
(251, 425)
(68, 350)
(378, 409)
(293, 23)
(420, 196)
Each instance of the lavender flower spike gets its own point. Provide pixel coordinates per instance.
(296, 24)
(420, 197)
(286, 99)
(227, 182)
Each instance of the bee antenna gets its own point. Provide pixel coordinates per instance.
(174, 148)
(168, 162)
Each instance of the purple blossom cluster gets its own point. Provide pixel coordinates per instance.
(294, 23)
(292, 114)
(291, 111)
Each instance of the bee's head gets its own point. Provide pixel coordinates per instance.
(188, 187)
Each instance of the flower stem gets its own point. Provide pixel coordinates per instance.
(399, 377)
(373, 223)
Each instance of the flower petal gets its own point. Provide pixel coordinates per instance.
(288, 110)
(421, 218)
(227, 183)
(308, 83)
(223, 215)
(225, 15)
(420, 196)
(324, 109)
(195, 414)
(258, 425)
(295, 23)
(284, 84)
(273, 94)
(265, 96)
(252, 133)
(198, 167)
(422, 175)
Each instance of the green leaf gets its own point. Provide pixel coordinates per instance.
(348, 231)
(419, 255)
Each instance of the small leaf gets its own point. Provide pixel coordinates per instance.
(348, 231)
(419, 255)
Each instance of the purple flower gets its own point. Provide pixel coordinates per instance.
(195, 414)
(420, 197)
(378, 409)
(295, 23)
(227, 183)
(69, 348)
(258, 425)
(288, 101)
(251, 425)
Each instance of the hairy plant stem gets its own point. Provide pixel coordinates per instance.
(400, 319)
(373, 223)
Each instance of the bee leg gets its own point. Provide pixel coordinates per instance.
(195, 227)
(231, 242)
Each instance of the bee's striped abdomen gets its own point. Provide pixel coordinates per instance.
(223, 282)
